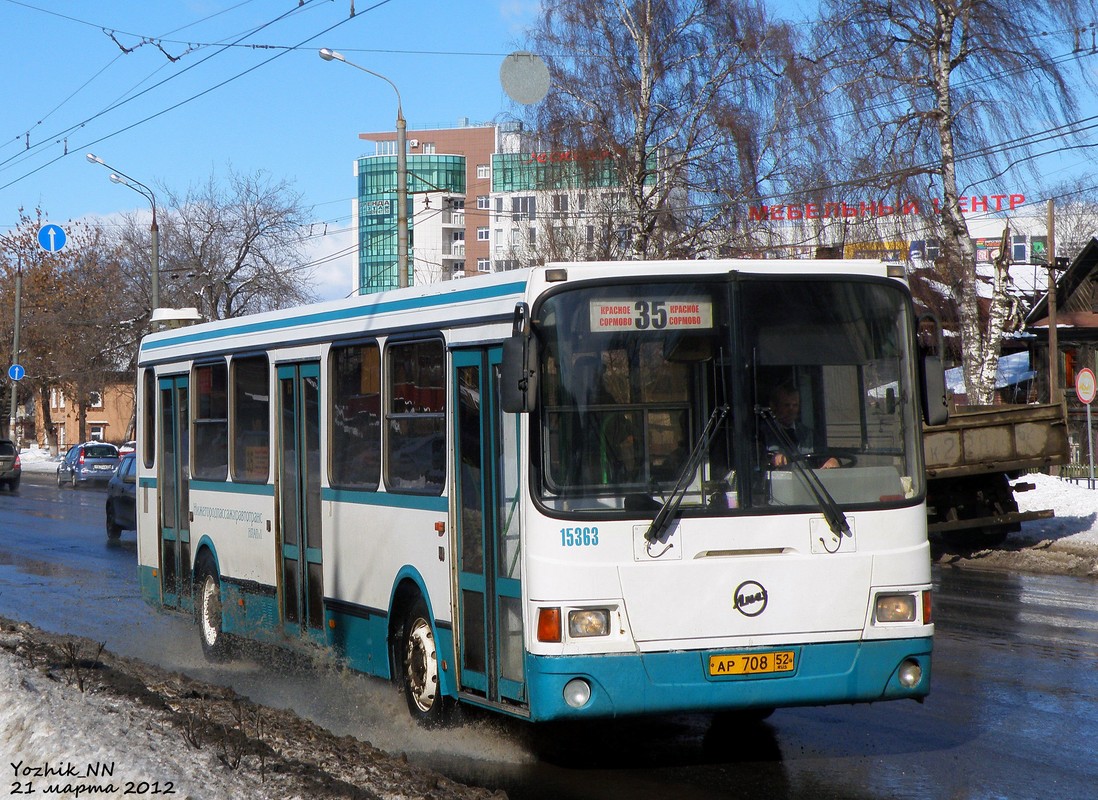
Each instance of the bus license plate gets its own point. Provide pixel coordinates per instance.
(751, 663)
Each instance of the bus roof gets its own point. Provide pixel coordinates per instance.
(483, 300)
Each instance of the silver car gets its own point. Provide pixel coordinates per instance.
(91, 462)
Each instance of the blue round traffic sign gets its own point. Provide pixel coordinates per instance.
(51, 237)
(16, 372)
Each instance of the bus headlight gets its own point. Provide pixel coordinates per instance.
(588, 622)
(895, 608)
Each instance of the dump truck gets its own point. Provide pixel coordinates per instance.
(975, 462)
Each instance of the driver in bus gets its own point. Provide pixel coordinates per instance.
(785, 404)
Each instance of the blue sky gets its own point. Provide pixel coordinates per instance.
(209, 84)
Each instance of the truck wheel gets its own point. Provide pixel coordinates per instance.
(419, 668)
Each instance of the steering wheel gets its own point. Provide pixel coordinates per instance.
(844, 457)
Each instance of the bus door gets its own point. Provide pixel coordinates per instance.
(486, 470)
(173, 482)
(298, 492)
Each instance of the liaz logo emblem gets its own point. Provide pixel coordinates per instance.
(750, 598)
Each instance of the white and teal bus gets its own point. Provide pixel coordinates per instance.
(563, 492)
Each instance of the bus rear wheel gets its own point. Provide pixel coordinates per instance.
(215, 644)
(419, 668)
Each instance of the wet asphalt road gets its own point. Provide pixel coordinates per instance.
(1013, 712)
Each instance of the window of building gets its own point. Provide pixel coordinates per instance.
(484, 234)
(1019, 251)
(484, 265)
(484, 171)
(523, 207)
(95, 399)
(355, 432)
(560, 205)
(484, 202)
(415, 460)
(457, 203)
(388, 148)
(532, 236)
(251, 419)
(97, 433)
(57, 398)
(428, 148)
(458, 236)
(210, 422)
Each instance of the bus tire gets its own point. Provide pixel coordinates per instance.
(215, 642)
(418, 664)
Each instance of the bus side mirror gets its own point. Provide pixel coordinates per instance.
(933, 390)
(518, 389)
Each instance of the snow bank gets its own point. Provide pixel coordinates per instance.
(58, 740)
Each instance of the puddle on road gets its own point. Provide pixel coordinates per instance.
(34, 566)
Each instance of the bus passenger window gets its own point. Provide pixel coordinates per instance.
(355, 430)
(251, 419)
(415, 419)
(211, 422)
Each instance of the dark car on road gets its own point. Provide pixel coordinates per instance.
(122, 498)
(10, 469)
(91, 462)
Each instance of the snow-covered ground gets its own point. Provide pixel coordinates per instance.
(48, 724)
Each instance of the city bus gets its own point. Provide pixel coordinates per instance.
(565, 492)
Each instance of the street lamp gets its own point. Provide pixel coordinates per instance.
(402, 169)
(117, 176)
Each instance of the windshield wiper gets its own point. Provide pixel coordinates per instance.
(836, 519)
(671, 505)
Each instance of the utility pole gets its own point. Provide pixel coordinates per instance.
(1053, 339)
(12, 431)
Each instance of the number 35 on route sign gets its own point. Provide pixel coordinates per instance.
(1085, 386)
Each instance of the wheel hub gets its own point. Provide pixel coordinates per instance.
(420, 665)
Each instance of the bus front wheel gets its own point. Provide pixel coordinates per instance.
(215, 645)
(419, 668)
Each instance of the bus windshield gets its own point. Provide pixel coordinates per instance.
(631, 374)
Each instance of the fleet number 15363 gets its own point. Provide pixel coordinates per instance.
(579, 536)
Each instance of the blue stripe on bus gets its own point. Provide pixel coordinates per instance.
(415, 502)
(228, 487)
(340, 314)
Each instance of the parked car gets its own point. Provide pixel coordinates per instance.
(127, 447)
(91, 462)
(122, 498)
(10, 469)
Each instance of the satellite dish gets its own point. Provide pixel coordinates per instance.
(525, 77)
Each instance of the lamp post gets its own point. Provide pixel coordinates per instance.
(402, 168)
(117, 176)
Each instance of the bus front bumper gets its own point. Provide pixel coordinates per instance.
(653, 683)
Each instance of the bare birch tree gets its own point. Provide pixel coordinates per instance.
(682, 93)
(940, 96)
